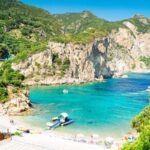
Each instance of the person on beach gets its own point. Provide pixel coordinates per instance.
(12, 122)
(8, 135)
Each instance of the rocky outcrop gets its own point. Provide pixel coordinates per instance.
(18, 102)
(78, 63)
(127, 47)
(86, 63)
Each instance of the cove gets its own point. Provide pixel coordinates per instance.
(105, 108)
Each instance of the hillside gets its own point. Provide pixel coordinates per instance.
(24, 30)
(81, 22)
(23, 26)
(84, 27)
(66, 48)
(142, 23)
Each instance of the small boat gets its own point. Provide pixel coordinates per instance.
(53, 125)
(148, 90)
(61, 120)
(124, 76)
(62, 115)
(69, 121)
(65, 91)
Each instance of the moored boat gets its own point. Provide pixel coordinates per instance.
(148, 89)
(61, 120)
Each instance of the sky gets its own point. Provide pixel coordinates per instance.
(108, 9)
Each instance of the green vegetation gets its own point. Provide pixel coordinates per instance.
(3, 94)
(28, 19)
(3, 51)
(83, 27)
(62, 65)
(24, 29)
(65, 66)
(31, 48)
(142, 125)
(79, 22)
(142, 23)
(133, 66)
(18, 134)
(8, 77)
(81, 38)
(146, 60)
(142, 121)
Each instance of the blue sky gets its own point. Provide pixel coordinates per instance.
(108, 9)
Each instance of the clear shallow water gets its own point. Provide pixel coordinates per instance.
(105, 108)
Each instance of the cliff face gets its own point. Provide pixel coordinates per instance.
(127, 48)
(85, 63)
(78, 63)
(18, 102)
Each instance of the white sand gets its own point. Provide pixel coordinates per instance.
(44, 141)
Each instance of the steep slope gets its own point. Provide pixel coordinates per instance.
(104, 57)
(84, 27)
(66, 63)
(142, 23)
(23, 26)
(67, 48)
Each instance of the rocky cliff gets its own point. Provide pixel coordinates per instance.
(127, 48)
(61, 63)
(18, 102)
(66, 63)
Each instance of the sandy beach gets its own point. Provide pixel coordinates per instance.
(43, 140)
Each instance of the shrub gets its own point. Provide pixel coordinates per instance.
(3, 94)
(142, 120)
(133, 66)
(142, 124)
(18, 134)
(146, 60)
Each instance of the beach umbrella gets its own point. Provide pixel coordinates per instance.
(95, 138)
(130, 138)
(80, 137)
(109, 140)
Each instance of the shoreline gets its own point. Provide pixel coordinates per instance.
(46, 136)
(120, 75)
(64, 133)
(64, 137)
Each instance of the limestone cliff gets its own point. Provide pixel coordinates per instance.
(62, 63)
(127, 48)
(85, 63)
(18, 102)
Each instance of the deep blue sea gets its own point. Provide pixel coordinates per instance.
(106, 108)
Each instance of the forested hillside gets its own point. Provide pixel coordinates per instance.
(26, 30)
(22, 27)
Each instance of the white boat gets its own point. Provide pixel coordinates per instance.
(148, 90)
(61, 120)
(65, 91)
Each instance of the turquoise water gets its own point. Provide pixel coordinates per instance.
(105, 108)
